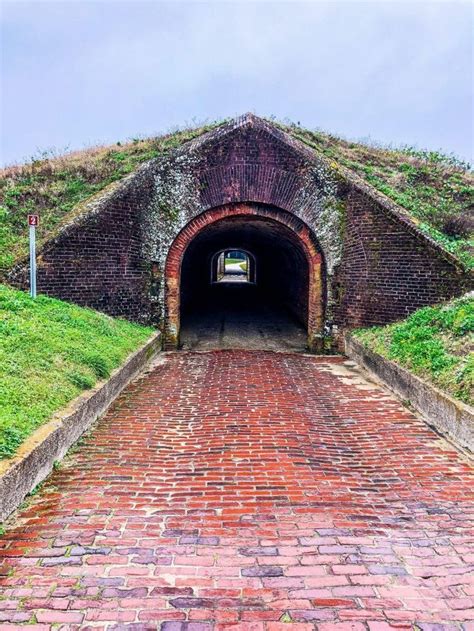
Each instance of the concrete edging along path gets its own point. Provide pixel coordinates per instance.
(35, 458)
(448, 416)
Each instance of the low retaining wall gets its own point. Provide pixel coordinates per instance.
(35, 458)
(450, 417)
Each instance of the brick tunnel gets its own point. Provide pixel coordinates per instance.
(283, 296)
(330, 251)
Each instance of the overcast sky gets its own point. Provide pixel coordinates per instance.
(76, 73)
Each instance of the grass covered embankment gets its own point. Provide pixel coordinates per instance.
(54, 185)
(435, 343)
(50, 352)
(436, 190)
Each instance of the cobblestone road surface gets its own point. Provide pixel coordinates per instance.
(250, 491)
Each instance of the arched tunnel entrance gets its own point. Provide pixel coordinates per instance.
(245, 280)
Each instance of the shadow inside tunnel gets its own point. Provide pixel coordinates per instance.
(240, 315)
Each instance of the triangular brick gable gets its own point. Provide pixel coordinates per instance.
(377, 265)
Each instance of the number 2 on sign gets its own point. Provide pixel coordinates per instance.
(33, 221)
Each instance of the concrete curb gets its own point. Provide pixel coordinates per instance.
(35, 458)
(449, 417)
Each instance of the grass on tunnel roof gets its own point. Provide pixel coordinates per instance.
(432, 187)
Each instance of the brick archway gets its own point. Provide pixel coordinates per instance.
(301, 232)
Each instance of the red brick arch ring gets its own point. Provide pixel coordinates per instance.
(305, 237)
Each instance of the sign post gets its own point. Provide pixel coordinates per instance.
(33, 221)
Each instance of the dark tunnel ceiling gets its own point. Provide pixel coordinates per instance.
(282, 267)
(255, 234)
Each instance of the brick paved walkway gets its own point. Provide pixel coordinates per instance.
(248, 490)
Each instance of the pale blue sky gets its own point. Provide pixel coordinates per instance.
(80, 73)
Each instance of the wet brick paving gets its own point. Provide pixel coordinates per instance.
(250, 491)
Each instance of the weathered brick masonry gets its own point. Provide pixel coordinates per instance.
(375, 265)
(245, 214)
(97, 261)
(387, 271)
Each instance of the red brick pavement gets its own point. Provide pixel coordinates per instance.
(248, 491)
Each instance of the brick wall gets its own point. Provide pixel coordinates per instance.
(375, 270)
(387, 272)
(250, 166)
(98, 263)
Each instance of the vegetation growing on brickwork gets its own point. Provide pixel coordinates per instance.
(53, 185)
(436, 343)
(51, 351)
(436, 189)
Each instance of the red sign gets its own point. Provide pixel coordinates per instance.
(33, 220)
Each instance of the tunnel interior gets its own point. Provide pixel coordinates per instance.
(233, 265)
(272, 306)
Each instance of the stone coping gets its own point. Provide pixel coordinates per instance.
(450, 417)
(36, 456)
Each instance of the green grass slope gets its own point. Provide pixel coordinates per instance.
(436, 343)
(50, 352)
(53, 186)
(436, 190)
